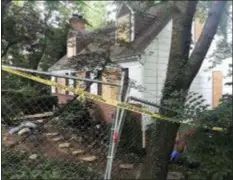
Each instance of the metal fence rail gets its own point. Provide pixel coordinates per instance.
(42, 139)
(72, 142)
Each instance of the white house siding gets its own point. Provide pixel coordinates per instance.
(94, 86)
(62, 72)
(203, 81)
(155, 62)
(135, 73)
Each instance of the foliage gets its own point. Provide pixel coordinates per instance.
(35, 32)
(223, 49)
(16, 102)
(95, 13)
(213, 150)
(39, 104)
(202, 12)
(85, 118)
(21, 95)
(17, 166)
(75, 113)
(10, 107)
(31, 37)
(138, 5)
(131, 137)
(194, 104)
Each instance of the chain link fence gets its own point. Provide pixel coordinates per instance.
(47, 140)
(43, 140)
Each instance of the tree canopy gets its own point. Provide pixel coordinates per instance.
(35, 32)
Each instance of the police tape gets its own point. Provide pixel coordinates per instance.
(98, 98)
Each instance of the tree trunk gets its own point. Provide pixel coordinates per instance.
(180, 74)
(9, 45)
(204, 41)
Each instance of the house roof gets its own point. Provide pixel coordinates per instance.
(60, 64)
(147, 27)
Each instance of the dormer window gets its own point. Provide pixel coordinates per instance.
(125, 24)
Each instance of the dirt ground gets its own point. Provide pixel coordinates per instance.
(42, 145)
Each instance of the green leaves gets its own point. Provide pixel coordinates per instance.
(213, 149)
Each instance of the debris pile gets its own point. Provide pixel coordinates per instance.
(23, 128)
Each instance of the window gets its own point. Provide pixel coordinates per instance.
(53, 89)
(72, 83)
(125, 24)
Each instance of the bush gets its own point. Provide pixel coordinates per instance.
(14, 103)
(39, 104)
(213, 150)
(76, 114)
(131, 137)
(11, 107)
(79, 115)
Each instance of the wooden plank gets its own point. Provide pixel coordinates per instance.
(35, 116)
(61, 81)
(198, 26)
(217, 88)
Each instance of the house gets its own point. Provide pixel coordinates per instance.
(149, 33)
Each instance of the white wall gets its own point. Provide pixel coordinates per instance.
(93, 88)
(135, 73)
(203, 81)
(62, 72)
(155, 62)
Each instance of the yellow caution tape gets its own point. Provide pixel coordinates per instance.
(217, 129)
(98, 98)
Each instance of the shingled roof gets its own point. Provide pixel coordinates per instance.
(147, 27)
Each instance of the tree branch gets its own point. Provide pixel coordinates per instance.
(180, 44)
(8, 47)
(204, 41)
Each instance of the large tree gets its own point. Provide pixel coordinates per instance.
(182, 69)
(32, 35)
(35, 32)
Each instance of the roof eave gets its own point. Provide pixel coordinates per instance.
(126, 58)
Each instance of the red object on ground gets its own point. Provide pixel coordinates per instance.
(115, 137)
(7, 138)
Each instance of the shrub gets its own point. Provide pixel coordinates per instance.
(10, 108)
(39, 104)
(213, 150)
(14, 103)
(79, 115)
(75, 114)
(131, 137)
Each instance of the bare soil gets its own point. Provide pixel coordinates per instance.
(42, 145)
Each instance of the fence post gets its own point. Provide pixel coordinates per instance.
(113, 142)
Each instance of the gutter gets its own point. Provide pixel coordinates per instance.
(127, 58)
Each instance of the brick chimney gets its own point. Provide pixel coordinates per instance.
(74, 45)
(77, 22)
